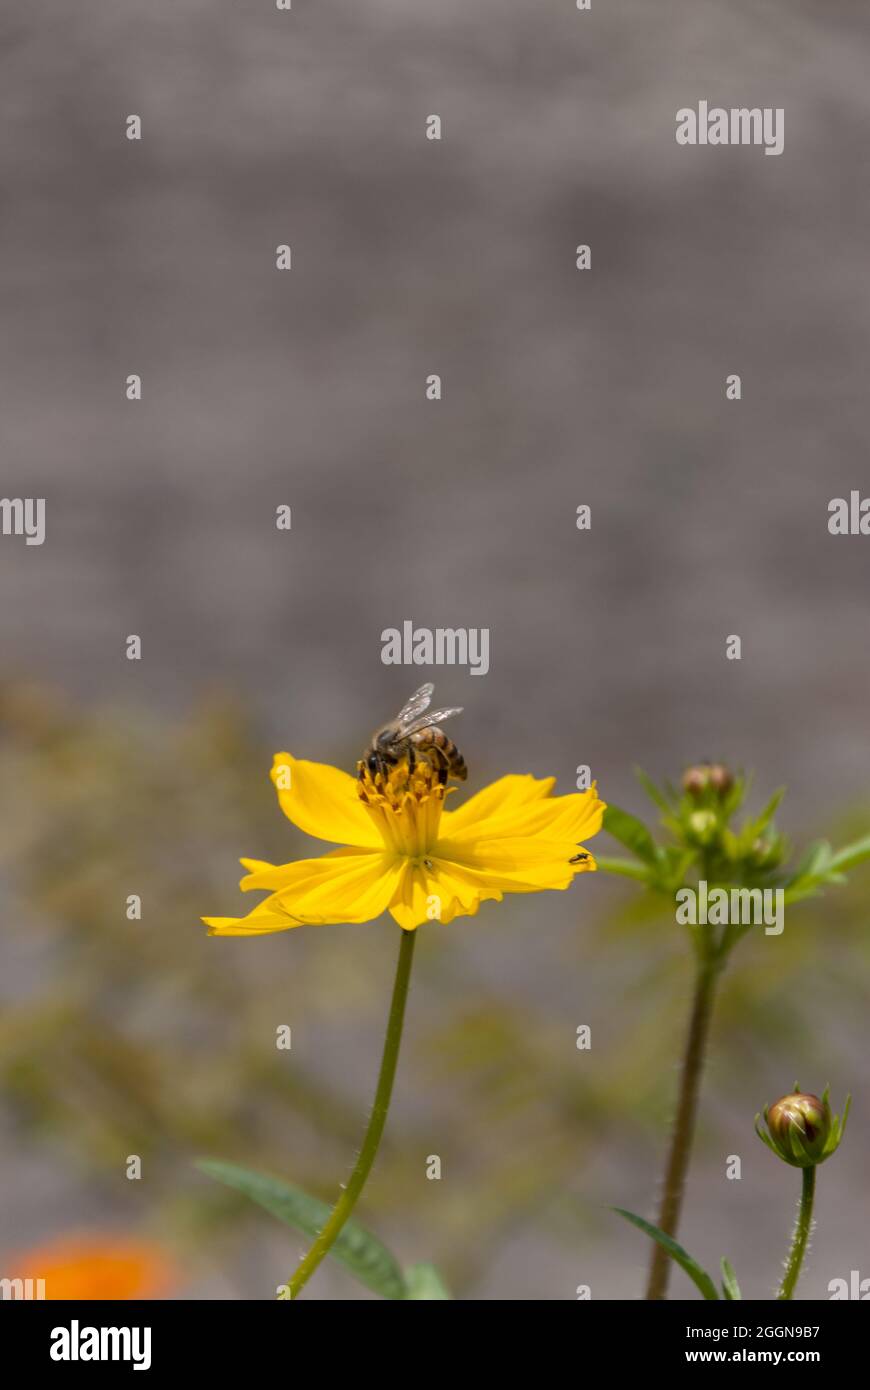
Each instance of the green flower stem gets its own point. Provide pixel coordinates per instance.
(801, 1235)
(684, 1125)
(367, 1154)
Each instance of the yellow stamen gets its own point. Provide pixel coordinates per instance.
(406, 804)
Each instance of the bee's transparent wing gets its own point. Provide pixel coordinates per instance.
(428, 721)
(418, 702)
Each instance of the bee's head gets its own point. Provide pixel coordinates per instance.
(385, 747)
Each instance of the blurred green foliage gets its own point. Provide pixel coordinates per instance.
(703, 841)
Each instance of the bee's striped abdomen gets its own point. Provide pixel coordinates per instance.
(436, 741)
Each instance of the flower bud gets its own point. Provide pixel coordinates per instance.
(704, 777)
(799, 1125)
(702, 827)
(767, 853)
(801, 1129)
(695, 780)
(720, 779)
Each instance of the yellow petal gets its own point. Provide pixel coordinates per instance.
(437, 894)
(498, 802)
(356, 888)
(257, 923)
(339, 887)
(323, 801)
(252, 865)
(518, 864)
(575, 817)
(302, 873)
(410, 903)
(570, 818)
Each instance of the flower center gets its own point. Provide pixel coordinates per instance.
(405, 804)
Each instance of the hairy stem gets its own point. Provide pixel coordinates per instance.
(378, 1118)
(684, 1125)
(801, 1236)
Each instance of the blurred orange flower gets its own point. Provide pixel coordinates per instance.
(94, 1267)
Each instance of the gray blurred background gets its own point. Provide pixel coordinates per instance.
(607, 647)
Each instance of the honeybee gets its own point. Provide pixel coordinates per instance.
(414, 734)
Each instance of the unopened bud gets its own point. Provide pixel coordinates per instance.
(799, 1125)
(720, 779)
(704, 777)
(801, 1129)
(695, 780)
(766, 854)
(703, 826)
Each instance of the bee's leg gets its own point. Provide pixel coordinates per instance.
(412, 756)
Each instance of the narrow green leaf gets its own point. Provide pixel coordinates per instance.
(797, 890)
(770, 810)
(653, 792)
(815, 860)
(424, 1282)
(677, 862)
(632, 833)
(730, 1286)
(850, 855)
(356, 1248)
(627, 868)
(699, 1277)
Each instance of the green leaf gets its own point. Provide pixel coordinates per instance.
(424, 1282)
(699, 1277)
(850, 855)
(626, 867)
(677, 863)
(653, 792)
(632, 833)
(796, 889)
(767, 815)
(811, 874)
(815, 861)
(356, 1248)
(730, 1286)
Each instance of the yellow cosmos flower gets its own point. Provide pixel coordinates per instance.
(405, 853)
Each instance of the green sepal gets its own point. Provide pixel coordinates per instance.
(764, 1136)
